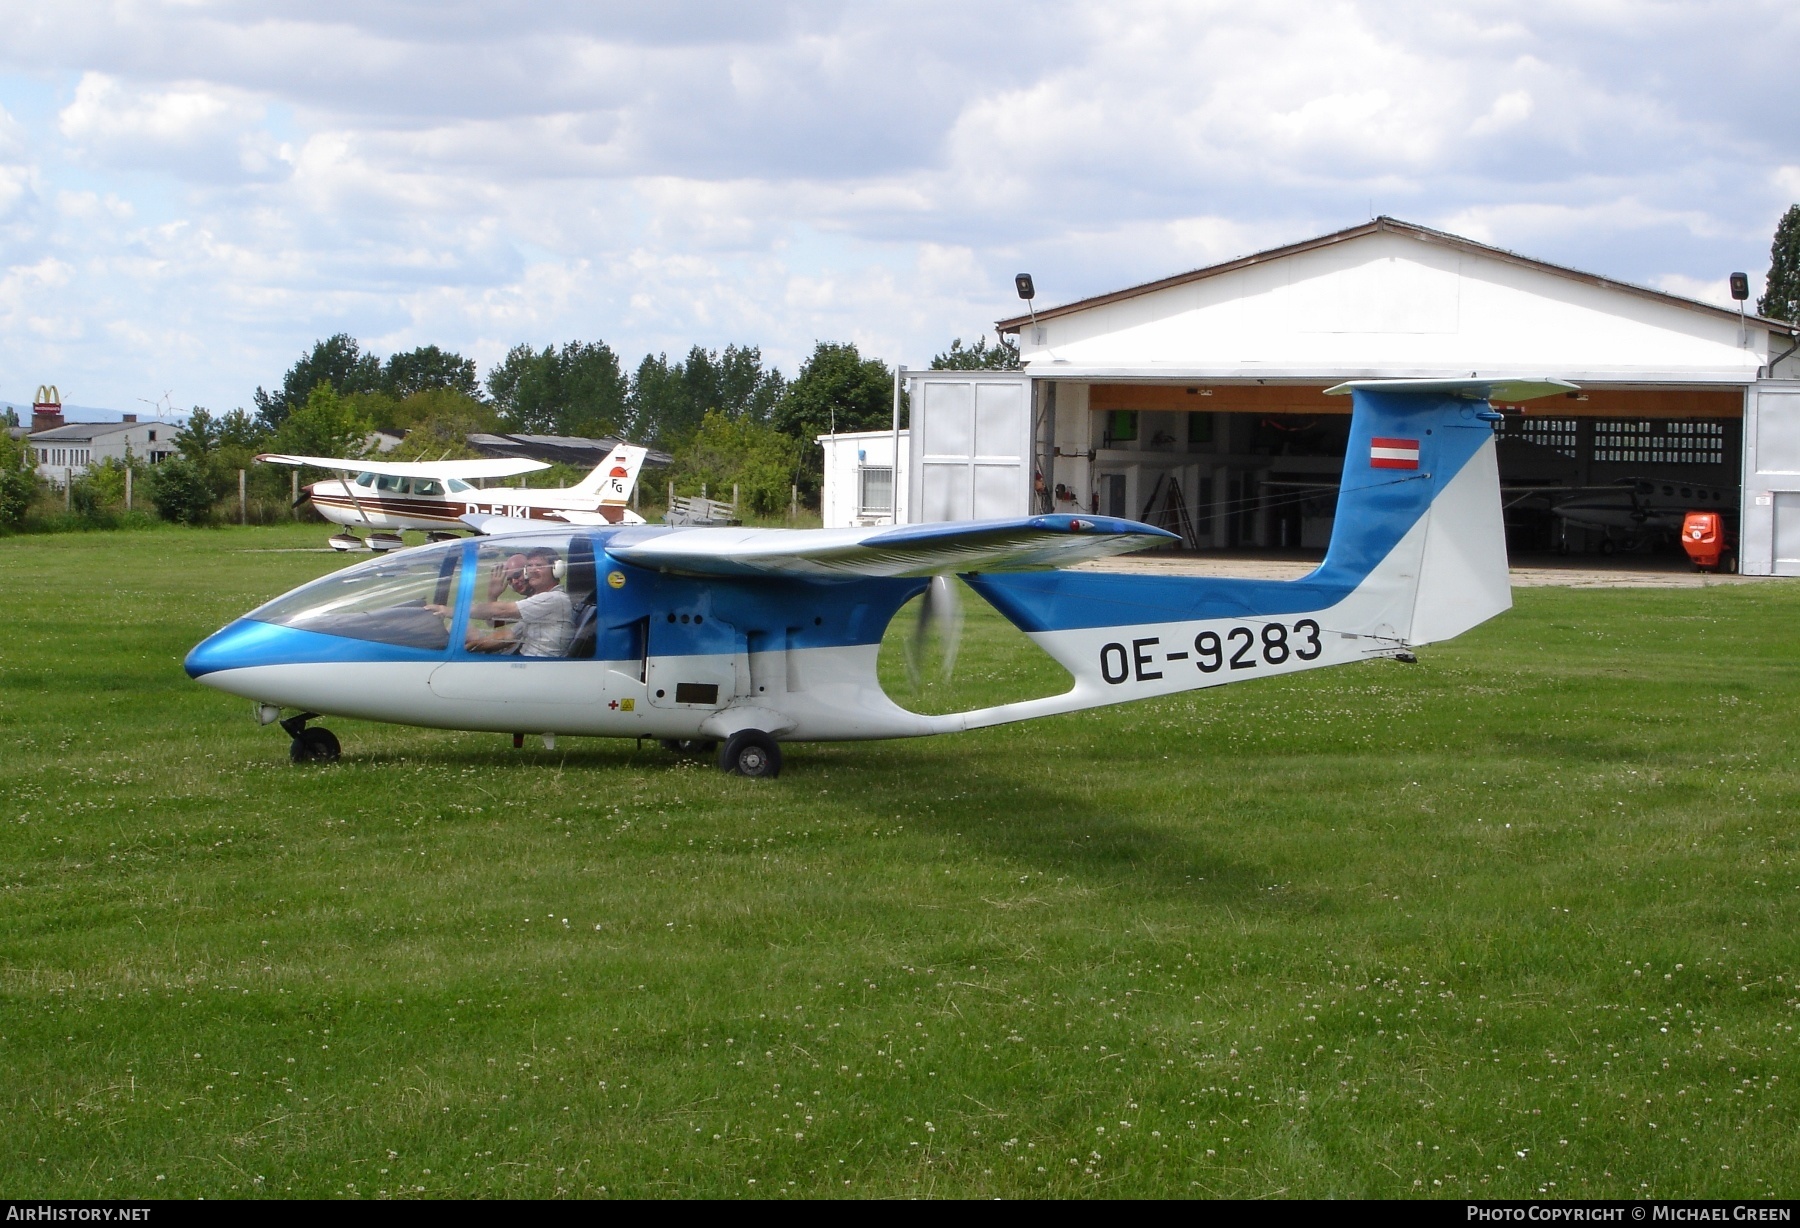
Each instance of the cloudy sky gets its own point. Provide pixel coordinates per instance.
(192, 192)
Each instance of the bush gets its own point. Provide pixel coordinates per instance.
(181, 492)
(18, 482)
(759, 460)
(326, 425)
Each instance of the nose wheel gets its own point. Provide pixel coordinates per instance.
(310, 745)
(751, 752)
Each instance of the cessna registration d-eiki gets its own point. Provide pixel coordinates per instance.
(758, 637)
(388, 496)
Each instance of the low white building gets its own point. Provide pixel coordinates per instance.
(1197, 401)
(66, 452)
(858, 486)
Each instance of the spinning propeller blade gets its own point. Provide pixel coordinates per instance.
(940, 611)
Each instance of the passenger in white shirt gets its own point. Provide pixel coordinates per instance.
(539, 624)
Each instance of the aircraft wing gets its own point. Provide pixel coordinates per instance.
(1031, 544)
(494, 467)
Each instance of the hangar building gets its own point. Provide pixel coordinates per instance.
(1196, 401)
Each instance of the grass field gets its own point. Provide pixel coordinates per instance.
(1517, 920)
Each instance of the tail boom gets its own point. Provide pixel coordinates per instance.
(1417, 555)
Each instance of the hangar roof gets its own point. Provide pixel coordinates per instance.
(1392, 298)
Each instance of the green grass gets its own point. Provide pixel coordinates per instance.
(1517, 920)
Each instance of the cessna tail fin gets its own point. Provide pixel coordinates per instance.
(614, 477)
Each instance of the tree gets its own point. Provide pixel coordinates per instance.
(439, 423)
(837, 390)
(222, 446)
(325, 425)
(661, 407)
(745, 389)
(199, 437)
(1781, 295)
(426, 369)
(1004, 356)
(670, 400)
(238, 431)
(725, 451)
(338, 360)
(579, 390)
(18, 481)
(180, 490)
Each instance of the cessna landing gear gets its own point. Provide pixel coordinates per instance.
(751, 752)
(310, 745)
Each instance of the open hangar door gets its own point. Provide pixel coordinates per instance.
(1255, 466)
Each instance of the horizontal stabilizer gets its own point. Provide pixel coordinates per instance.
(1032, 544)
(1471, 389)
(467, 470)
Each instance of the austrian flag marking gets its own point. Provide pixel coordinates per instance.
(1393, 453)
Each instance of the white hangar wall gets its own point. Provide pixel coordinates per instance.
(1168, 392)
(1389, 303)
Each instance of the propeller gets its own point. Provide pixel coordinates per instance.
(940, 612)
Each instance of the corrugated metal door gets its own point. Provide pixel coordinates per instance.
(974, 458)
(1770, 537)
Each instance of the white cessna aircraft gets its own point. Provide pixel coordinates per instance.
(758, 637)
(388, 496)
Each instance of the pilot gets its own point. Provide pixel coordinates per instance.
(538, 624)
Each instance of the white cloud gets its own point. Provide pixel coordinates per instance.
(1509, 110)
(194, 128)
(233, 181)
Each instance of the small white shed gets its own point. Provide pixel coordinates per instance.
(859, 478)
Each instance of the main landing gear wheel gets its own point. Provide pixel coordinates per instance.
(691, 748)
(314, 746)
(751, 752)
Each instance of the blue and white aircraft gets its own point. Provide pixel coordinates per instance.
(756, 637)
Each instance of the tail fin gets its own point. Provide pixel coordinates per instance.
(614, 477)
(1417, 554)
(1418, 538)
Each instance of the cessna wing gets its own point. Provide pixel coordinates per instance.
(1032, 544)
(495, 467)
